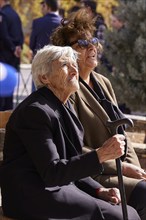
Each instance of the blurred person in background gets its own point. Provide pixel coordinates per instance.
(11, 43)
(100, 24)
(118, 25)
(77, 6)
(91, 7)
(115, 20)
(43, 27)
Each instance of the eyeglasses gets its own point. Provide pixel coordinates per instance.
(85, 43)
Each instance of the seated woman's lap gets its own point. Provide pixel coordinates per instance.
(68, 202)
(78, 203)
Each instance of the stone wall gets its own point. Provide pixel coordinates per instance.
(137, 136)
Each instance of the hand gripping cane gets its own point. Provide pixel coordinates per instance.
(113, 126)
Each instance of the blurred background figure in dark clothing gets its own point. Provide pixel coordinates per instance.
(77, 6)
(100, 23)
(101, 26)
(115, 20)
(43, 27)
(11, 42)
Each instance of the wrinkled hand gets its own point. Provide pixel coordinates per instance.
(111, 195)
(113, 148)
(133, 171)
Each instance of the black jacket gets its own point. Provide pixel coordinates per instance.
(43, 163)
(11, 36)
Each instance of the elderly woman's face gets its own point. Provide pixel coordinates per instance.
(87, 54)
(64, 76)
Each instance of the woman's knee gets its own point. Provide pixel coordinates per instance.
(132, 213)
(138, 199)
(115, 213)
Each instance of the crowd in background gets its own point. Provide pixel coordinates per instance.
(12, 36)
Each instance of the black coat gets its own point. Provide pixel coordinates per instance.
(44, 174)
(11, 36)
(5, 38)
(42, 29)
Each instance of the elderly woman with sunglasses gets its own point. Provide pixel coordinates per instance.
(95, 103)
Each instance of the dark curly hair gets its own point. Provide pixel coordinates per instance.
(76, 24)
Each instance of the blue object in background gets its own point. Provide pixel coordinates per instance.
(8, 80)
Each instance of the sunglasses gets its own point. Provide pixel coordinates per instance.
(85, 43)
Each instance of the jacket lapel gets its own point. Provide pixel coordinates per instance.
(56, 105)
(105, 88)
(95, 106)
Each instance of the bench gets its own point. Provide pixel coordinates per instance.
(4, 116)
(2, 217)
(137, 135)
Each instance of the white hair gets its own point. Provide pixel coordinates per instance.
(42, 62)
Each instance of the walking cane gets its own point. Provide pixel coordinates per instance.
(113, 125)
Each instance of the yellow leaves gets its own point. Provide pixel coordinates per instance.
(30, 9)
(104, 7)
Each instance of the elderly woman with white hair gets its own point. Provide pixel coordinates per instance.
(44, 174)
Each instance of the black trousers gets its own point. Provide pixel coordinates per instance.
(68, 203)
(138, 199)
